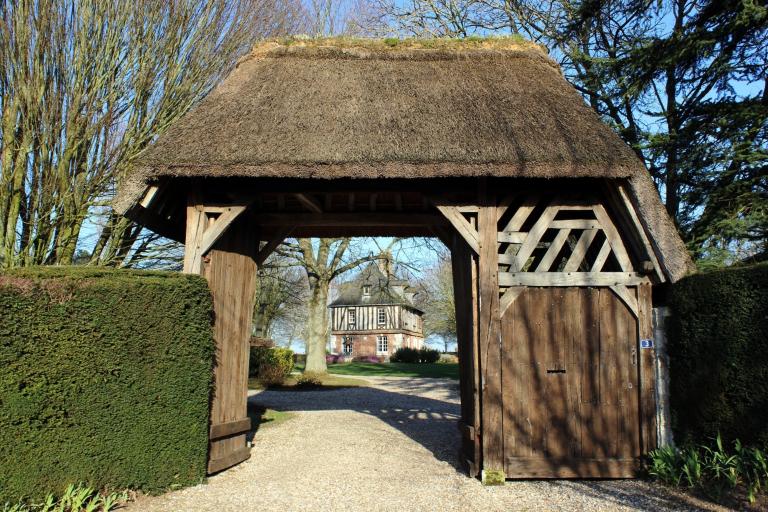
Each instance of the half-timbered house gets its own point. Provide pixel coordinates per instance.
(374, 315)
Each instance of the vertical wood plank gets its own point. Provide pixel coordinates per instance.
(231, 273)
(647, 362)
(490, 339)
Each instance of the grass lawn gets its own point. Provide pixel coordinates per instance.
(329, 382)
(445, 371)
(262, 417)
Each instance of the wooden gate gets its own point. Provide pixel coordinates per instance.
(570, 385)
(556, 299)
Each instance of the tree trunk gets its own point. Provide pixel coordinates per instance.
(317, 325)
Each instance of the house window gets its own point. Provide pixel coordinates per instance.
(381, 344)
(367, 290)
(351, 318)
(346, 345)
(382, 316)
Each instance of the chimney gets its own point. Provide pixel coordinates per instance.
(385, 264)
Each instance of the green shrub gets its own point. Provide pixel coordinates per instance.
(310, 380)
(711, 469)
(270, 365)
(405, 355)
(414, 355)
(428, 355)
(106, 379)
(718, 348)
(448, 359)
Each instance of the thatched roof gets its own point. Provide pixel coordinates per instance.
(332, 111)
(382, 109)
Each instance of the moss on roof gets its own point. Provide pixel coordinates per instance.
(513, 42)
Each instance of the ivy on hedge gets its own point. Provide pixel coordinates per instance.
(718, 350)
(106, 379)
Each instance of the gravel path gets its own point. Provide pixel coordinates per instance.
(388, 447)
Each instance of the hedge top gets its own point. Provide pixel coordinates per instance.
(359, 108)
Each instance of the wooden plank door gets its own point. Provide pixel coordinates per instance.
(570, 385)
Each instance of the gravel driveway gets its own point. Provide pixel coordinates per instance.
(388, 447)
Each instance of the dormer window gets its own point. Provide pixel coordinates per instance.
(367, 290)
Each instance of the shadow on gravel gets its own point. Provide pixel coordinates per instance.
(636, 494)
(430, 422)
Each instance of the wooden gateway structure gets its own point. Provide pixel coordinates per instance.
(556, 230)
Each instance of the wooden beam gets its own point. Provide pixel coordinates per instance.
(535, 234)
(511, 237)
(508, 298)
(554, 249)
(196, 224)
(627, 296)
(309, 202)
(461, 225)
(550, 467)
(614, 238)
(570, 278)
(522, 213)
(149, 196)
(271, 245)
(601, 257)
(229, 428)
(236, 457)
(575, 224)
(489, 320)
(580, 250)
(220, 225)
(362, 219)
(630, 210)
(443, 234)
(461, 265)
(504, 205)
(647, 360)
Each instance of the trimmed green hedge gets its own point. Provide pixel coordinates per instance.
(718, 350)
(105, 378)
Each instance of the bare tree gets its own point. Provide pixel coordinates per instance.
(323, 260)
(281, 293)
(85, 85)
(436, 299)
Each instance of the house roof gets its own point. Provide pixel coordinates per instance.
(382, 289)
(351, 108)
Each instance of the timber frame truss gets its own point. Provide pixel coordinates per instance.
(505, 236)
(557, 240)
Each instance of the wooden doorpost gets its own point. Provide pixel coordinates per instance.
(230, 269)
(489, 320)
(647, 359)
(464, 290)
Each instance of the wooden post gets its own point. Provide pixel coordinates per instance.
(196, 224)
(489, 323)
(462, 262)
(230, 269)
(647, 350)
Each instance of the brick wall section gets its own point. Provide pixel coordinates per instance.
(365, 344)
